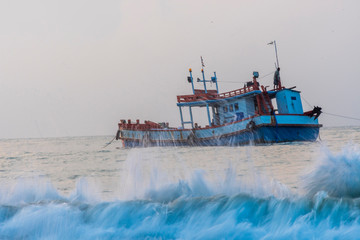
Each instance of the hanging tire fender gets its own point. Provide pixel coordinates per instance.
(251, 126)
(146, 139)
(192, 139)
(118, 135)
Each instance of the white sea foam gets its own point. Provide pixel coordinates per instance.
(182, 193)
(85, 191)
(145, 178)
(26, 190)
(338, 174)
(37, 190)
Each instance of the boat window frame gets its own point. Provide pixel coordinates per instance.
(231, 108)
(236, 107)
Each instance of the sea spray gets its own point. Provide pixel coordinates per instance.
(194, 207)
(336, 174)
(28, 190)
(145, 178)
(241, 196)
(85, 191)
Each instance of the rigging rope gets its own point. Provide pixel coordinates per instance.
(267, 75)
(306, 101)
(107, 144)
(230, 82)
(332, 114)
(247, 81)
(336, 115)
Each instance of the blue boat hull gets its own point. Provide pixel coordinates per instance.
(263, 135)
(265, 129)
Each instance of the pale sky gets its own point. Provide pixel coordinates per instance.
(75, 68)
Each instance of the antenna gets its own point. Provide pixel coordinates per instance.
(203, 74)
(202, 62)
(277, 66)
(277, 59)
(276, 54)
(212, 79)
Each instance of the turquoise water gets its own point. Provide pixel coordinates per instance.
(73, 188)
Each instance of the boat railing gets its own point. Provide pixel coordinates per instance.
(202, 96)
(196, 97)
(147, 125)
(238, 91)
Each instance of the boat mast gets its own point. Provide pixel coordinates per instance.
(277, 65)
(207, 105)
(214, 79)
(203, 74)
(276, 54)
(277, 59)
(192, 80)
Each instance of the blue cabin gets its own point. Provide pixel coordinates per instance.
(289, 102)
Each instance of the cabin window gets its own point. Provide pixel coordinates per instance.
(239, 116)
(293, 98)
(231, 108)
(225, 109)
(236, 105)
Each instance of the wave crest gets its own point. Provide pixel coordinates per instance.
(336, 174)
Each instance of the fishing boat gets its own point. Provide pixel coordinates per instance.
(243, 116)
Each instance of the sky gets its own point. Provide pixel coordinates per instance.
(75, 68)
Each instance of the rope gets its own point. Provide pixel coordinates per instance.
(336, 115)
(107, 144)
(247, 81)
(306, 101)
(267, 75)
(332, 114)
(230, 82)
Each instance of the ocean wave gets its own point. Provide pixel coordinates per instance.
(193, 208)
(154, 205)
(241, 216)
(336, 174)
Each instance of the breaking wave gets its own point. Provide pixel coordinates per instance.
(188, 216)
(336, 174)
(194, 207)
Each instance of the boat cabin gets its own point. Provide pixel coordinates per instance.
(249, 101)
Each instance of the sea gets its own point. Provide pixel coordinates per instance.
(82, 188)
